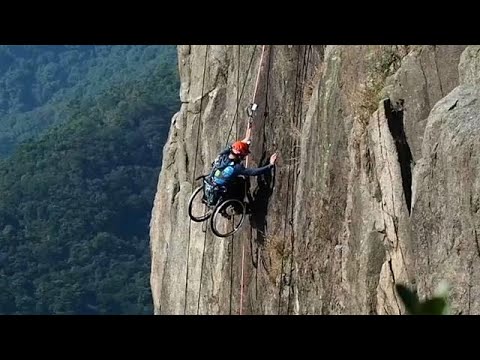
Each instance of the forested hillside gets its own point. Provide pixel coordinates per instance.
(75, 202)
(38, 84)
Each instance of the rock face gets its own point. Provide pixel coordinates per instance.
(376, 184)
(446, 216)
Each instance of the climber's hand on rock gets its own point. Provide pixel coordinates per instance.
(273, 158)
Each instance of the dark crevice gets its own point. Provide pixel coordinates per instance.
(426, 85)
(476, 242)
(394, 283)
(470, 286)
(395, 124)
(176, 190)
(438, 72)
(259, 202)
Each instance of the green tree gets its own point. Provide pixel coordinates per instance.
(76, 201)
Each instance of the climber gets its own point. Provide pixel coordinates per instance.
(228, 168)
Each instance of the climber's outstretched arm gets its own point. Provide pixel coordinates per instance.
(254, 171)
(241, 170)
(248, 135)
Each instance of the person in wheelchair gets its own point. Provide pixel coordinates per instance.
(228, 172)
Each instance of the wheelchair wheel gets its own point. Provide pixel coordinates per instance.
(197, 209)
(228, 217)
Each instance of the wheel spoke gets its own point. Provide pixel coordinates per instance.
(228, 214)
(197, 209)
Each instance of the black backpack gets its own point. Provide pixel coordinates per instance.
(220, 164)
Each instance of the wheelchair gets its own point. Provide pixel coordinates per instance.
(225, 207)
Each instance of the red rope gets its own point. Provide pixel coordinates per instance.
(246, 164)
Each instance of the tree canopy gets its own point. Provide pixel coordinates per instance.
(76, 195)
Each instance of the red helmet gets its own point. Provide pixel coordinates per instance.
(240, 148)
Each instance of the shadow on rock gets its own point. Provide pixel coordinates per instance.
(259, 201)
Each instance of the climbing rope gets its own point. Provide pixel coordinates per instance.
(295, 167)
(193, 175)
(241, 94)
(195, 166)
(235, 118)
(300, 79)
(235, 121)
(295, 98)
(246, 165)
(236, 136)
(298, 118)
(255, 92)
(266, 113)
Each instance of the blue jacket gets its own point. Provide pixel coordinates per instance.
(234, 169)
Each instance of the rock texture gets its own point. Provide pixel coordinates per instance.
(376, 183)
(446, 216)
